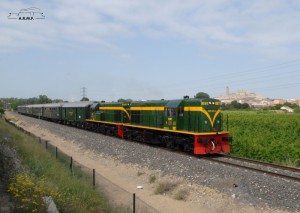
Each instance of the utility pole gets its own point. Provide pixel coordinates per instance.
(83, 91)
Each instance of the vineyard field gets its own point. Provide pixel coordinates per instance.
(265, 136)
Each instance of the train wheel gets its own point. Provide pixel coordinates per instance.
(170, 144)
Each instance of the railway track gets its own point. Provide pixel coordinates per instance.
(288, 173)
(284, 172)
(286, 168)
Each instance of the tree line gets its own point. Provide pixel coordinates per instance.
(295, 107)
(235, 105)
(13, 103)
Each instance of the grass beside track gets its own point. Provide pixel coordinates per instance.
(41, 175)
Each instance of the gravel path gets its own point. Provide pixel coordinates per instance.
(247, 187)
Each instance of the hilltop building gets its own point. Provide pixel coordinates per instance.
(243, 96)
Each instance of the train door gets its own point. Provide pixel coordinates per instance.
(171, 118)
(180, 118)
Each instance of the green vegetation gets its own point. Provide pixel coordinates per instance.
(265, 136)
(13, 103)
(164, 187)
(278, 106)
(40, 175)
(202, 95)
(1, 109)
(235, 105)
(27, 193)
(128, 100)
(1, 112)
(152, 178)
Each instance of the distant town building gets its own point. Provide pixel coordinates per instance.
(279, 101)
(227, 91)
(243, 96)
(253, 99)
(288, 109)
(294, 101)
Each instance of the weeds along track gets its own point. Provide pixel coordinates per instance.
(284, 172)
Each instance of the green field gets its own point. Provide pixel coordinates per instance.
(265, 136)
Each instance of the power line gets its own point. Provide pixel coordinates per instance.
(83, 92)
(267, 78)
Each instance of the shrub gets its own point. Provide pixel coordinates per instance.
(181, 194)
(297, 163)
(28, 193)
(152, 178)
(139, 173)
(164, 186)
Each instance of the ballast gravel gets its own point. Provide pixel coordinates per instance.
(256, 189)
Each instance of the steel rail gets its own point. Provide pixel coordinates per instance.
(286, 168)
(254, 169)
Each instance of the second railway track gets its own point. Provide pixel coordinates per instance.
(286, 168)
(288, 173)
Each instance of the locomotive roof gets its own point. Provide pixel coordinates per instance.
(173, 103)
(198, 101)
(188, 102)
(94, 105)
(149, 103)
(111, 104)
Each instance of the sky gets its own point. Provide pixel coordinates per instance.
(148, 50)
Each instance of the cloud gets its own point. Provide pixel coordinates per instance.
(254, 25)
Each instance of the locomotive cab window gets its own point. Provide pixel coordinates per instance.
(171, 112)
